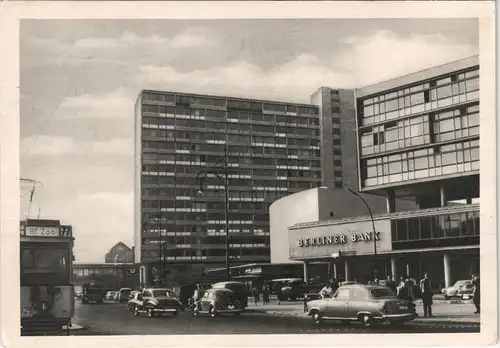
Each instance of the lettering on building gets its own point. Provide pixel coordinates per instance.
(337, 239)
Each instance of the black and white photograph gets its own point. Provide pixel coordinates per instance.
(252, 176)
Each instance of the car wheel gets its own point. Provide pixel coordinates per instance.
(212, 312)
(366, 319)
(151, 313)
(317, 318)
(136, 311)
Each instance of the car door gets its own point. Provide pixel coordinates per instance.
(358, 302)
(338, 304)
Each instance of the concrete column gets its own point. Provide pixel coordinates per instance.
(390, 202)
(469, 200)
(335, 273)
(407, 269)
(447, 270)
(443, 196)
(394, 269)
(347, 271)
(306, 275)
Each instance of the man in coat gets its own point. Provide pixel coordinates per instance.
(477, 293)
(425, 290)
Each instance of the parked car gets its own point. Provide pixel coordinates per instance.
(156, 301)
(368, 304)
(462, 288)
(239, 289)
(218, 301)
(110, 295)
(122, 295)
(291, 288)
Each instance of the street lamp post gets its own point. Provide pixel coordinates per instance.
(222, 173)
(371, 217)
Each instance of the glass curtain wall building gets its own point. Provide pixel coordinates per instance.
(273, 150)
(419, 139)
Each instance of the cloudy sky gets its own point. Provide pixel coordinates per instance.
(80, 80)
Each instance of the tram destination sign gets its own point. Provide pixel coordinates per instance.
(38, 231)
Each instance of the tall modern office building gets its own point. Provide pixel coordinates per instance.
(273, 150)
(418, 140)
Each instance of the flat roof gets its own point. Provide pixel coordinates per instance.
(414, 78)
(227, 97)
(391, 216)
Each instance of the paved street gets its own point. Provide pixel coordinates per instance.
(115, 319)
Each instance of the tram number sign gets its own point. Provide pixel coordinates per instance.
(32, 231)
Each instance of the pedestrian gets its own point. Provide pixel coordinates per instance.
(256, 295)
(391, 284)
(476, 299)
(265, 294)
(279, 292)
(327, 291)
(410, 293)
(376, 281)
(426, 293)
(335, 285)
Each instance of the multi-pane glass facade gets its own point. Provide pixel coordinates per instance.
(273, 150)
(435, 230)
(424, 130)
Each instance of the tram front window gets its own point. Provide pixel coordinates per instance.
(45, 266)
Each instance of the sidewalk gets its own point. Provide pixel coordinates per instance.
(443, 313)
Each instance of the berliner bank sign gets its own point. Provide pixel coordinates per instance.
(349, 238)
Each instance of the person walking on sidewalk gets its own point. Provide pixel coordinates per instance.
(265, 295)
(425, 290)
(256, 295)
(476, 299)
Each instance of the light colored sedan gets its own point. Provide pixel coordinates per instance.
(367, 304)
(460, 289)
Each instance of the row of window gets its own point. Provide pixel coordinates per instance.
(182, 136)
(228, 103)
(171, 145)
(442, 160)
(182, 114)
(436, 227)
(423, 86)
(191, 254)
(449, 125)
(427, 101)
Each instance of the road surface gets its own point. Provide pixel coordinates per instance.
(116, 319)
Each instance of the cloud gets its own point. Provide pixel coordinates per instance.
(116, 104)
(46, 145)
(364, 60)
(125, 50)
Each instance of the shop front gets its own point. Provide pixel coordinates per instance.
(443, 243)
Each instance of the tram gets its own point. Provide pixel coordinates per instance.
(47, 293)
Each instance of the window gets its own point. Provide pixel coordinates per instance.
(342, 294)
(359, 294)
(381, 293)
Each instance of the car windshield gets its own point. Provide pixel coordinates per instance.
(381, 292)
(163, 293)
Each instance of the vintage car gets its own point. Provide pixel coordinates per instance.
(462, 288)
(218, 301)
(155, 301)
(367, 304)
(122, 295)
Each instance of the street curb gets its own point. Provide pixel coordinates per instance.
(304, 316)
(448, 301)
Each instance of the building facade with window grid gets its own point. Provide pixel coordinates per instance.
(418, 138)
(273, 149)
